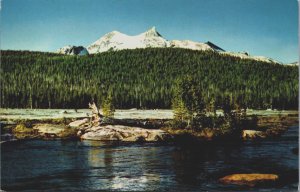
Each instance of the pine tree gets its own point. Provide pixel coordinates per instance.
(107, 106)
(143, 78)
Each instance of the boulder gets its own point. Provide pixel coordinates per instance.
(79, 123)
(249, 179)
(252, 134)
(124, 133)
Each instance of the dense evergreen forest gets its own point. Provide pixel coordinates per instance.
(142, 78)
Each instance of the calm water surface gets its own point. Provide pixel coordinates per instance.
(90, 165)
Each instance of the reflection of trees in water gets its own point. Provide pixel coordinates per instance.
(92, 165)
(197, 163)
(70, 155)
(204, 165)
(187, 166)
(109, 163)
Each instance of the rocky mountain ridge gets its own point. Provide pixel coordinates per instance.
(115, 40)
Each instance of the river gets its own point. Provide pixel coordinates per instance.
(90, 165)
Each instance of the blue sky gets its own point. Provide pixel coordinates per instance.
(261, 27)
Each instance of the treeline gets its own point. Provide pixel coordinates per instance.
(194, 111)
(142, 78)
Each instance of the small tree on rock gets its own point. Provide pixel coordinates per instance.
(107, 106)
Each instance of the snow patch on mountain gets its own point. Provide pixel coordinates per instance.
(187, 44)
(296, 63)
(245, 55)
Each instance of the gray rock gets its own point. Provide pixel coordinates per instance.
(124, 133)
(79, 123)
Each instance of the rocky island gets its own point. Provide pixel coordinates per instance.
(94, 126)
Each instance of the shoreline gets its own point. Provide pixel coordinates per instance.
(139, 124)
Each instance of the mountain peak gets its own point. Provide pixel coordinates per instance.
(152, 32)
(153, 28)
(215, 47)
(116, 40)
(111, 34)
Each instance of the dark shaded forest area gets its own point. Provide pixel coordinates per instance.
(142, 78)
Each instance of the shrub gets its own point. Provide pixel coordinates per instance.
(108, 107)
(22, 128)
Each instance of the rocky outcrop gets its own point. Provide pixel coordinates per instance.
(73, 50)
(123, 133)
(249, 179)
(274, 131)
(41, 130)
(78, 123)
(105, 129)
(252, 134)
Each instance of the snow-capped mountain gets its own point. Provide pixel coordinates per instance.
(73, 50)
(116, 40)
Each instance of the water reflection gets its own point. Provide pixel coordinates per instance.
(94, 154)
(93, 165)
(124, 167)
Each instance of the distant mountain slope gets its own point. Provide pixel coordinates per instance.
(187, 44)
(142, 78)
(245, 55)
(296, 63)
(115, 40)
(118, 41)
